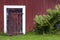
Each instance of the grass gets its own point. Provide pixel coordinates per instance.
(31, 36)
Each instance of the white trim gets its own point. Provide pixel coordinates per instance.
(24, 17)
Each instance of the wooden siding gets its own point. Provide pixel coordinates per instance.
(33, 7)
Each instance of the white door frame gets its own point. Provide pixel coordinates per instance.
(23, 16)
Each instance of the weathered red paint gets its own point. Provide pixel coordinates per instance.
(14, 21)
(33, 7)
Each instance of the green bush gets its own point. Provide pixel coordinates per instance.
(41, 24)
(47, 23)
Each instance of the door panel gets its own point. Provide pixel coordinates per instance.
(14, 22)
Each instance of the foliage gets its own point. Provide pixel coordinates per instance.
(41, 23)
(47, 23)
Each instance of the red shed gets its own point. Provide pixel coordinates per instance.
(16, 16)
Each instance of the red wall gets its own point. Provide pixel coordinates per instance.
(33, 7)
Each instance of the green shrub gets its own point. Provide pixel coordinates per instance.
(47, 23)
(41, 24)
